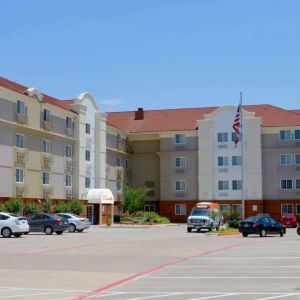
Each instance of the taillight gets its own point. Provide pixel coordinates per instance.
(18, 222)
(57, 221)
(82, 220)
(256, 225)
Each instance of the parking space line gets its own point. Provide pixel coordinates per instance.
(246, 258)
(220, 277)
(216, 296)
(27, 295)
(235, 267)
(277, 297)
(155, 296)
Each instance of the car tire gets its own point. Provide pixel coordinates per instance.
(48, 230)
(17, 235)
(6, 232)
(298, 230)
(245, 234)
(189, 230)
(281, 233)
(59, 232)
(72, 228)
(79, 230)
(263, 233)
(198, 229)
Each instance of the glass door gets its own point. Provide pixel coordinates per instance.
(90, 213)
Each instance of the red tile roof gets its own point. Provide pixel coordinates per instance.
(185, 119)
(19, 88)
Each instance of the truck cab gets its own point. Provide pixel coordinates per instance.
(204, 215)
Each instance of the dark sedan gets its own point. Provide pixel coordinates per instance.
(261, 225)
(47, 223)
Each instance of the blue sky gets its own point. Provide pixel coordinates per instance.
(155, 54)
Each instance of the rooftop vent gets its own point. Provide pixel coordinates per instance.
(139, 114)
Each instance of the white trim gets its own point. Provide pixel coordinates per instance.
(286, 179)
(23, 175)
(180, 180)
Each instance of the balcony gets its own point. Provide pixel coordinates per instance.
(20, 189)
(68, 165)
(46, 161)
(47, 191)
(20, 156)
(119, 172)
(21, 118)
(47, 125)
(121, 147)
(129, 173)
(70, 132)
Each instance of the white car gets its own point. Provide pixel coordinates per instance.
(76, 223)
(12, 225)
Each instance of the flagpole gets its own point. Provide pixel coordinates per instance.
(242, 155)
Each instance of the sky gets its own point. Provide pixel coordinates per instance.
(155, 54)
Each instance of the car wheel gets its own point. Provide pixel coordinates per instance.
(59, 232)
(79, 230)
(72, 228)
(245, 234)
(281, 233)
(189, 230)
(263, 233)
(298, 230)
(48, 230)
(6, 232)
(17, 235)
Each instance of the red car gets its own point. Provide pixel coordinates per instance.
(289, 220)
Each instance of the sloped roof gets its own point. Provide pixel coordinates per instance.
(19, 88)
(185, 119)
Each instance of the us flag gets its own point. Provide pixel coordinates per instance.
(236, 125)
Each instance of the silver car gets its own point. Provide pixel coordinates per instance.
(76, 223)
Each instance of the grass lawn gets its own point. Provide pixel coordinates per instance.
(228, 230)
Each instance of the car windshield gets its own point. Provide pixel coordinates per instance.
(251, 219)
(200, 212)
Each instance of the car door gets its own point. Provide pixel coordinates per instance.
(274, 226)
(266, 224)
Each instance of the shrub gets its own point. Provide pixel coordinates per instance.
(234, 224)
(3, 207)
(47, 205)
(117, 218)
(134, 198)
(61, 207)
(14, 205)
(31, 208)
(156, 218)
(75, 206)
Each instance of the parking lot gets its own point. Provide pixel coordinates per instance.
(154, 262)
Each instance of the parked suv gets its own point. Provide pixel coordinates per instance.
(47, 223)
(75, 222)
(12, 225)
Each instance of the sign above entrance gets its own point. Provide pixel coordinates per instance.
(101, 196)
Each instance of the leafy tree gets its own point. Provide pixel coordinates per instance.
(62, 207)
(31, 208)
(134, 198)
(75, 206)
(47, 205)
(14, 205)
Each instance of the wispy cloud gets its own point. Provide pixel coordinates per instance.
(111, 102)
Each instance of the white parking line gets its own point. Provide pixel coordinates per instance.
(226, 267)
(27, 295)
(219, 277)
(277, 297)
(216, 296)
(155, 296)
(246, 258)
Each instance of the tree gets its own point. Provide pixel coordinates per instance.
(14, 205)
(134, 198)
(75, 206)
(47, 205)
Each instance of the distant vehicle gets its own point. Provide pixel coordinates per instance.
(76, 223)
(289, 220)
(204, 215)
(47, 223)
(12, 225)
(261, 225)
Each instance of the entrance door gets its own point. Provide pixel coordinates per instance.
(90, 213)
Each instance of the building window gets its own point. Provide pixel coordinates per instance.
(297, 183)
(126, 163)
(87, 182)
(20, 140)
(19, 175)
(149, 208)
(222, 137)
(68, 122)
(87, 155)
(236, 160)
(285, 135)
(286, 184)
(233, 136)
(118, 139)
(68, 151)
(46, 115)
(297, 159)
(68, 180)
(150, 185)
(298, 209)
(222, 161)
(223, 185)
(224, 207)
(180, 139)
(237, 207)
(236, 185)
(21, 110)
(180, 162)
(118, 162)
(297, 134)
(87, 128)
(180, 186)
(285, 159)
(180, 209)
(119, 185)
(46, 146)
(46, 177)
(286, 209)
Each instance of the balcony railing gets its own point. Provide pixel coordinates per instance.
(21, 118)
(46, 161)
(68, 165)
(119, 172)
(20, 189)
(47, 191)
(47, 125)
(20, 156)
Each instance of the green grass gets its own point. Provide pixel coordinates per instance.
(228, 230)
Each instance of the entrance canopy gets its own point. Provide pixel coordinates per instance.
(100, 196)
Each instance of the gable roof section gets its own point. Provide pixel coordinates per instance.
(21, 89)
(185, 119)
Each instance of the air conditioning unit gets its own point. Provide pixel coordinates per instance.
(47, 125)
(20, 157)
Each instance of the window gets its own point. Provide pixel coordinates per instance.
(286, 184)
(126, 163)
(237, 207)
(297, 181)
(285, 135)
(68, 122)
(180, 139)
(224, 207)
(297, 159)
(46, 177)
(223, 185)
(222, 137)
(297, 134)
(149, 208)
(20, 140)
(180, 185)
(118, 162)
(222, 161)
(298, 209)
(87, 182)
(46, 115)
(286, 209)
(285, 159)
(68, 151)
(19, 175)
(21, 110)
(180, 209)
(68, 180)
(233, 136)
(236, 160)
(118, 139)
(150, 185)
(119, 185)
(46, 146)
(236, 185)
(87, 128)
(87, 155)
(180, 162)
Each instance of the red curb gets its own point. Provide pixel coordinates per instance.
(101, 290)
(224, 234)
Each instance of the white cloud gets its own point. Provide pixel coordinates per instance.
(110, 102)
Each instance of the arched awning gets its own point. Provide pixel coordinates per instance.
(100, 196)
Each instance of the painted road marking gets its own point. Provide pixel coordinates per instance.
(212, 297)
(246, 258)
(226, 267)
(219, 277)
(276, 297)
